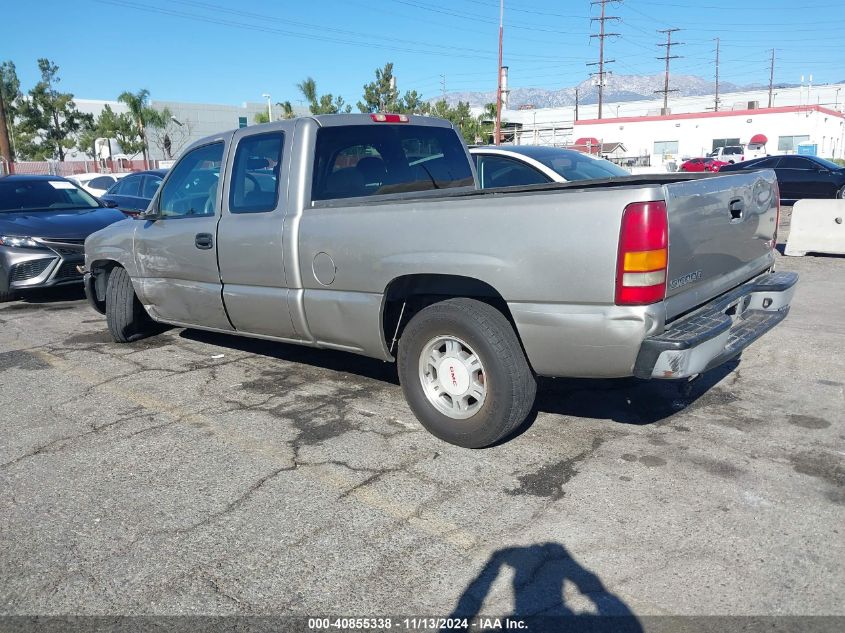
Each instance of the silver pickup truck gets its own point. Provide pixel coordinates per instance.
(367, 233)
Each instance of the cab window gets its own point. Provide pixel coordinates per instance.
(191, 188)
(365, 160)
(255, 174)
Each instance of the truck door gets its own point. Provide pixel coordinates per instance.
(176, 252)
(250, 233)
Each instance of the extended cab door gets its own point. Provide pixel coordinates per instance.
(177, 252)
(250, 233)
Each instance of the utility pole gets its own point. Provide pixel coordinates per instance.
(576, 104)
(602, 34)
(716, 103)
(5, 150)
(771, 77)
(669, 44)
(443, 85)
(497, 136)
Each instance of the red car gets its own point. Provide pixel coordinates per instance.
(703, 164)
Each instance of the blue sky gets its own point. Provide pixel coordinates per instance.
(221, 51)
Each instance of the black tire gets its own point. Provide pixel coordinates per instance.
(7, 296)
(510, 383)
(840, 195)
(126, 317)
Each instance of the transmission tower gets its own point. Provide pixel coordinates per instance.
(667, 57)
(601, 35)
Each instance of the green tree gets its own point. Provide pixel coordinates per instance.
(111, 125)
(142, 116)
(381, 95)
(261, 117)
(287, 110)
(412, 103)
(10, 92)
(473, 129)
(321, 104)
(49, 118)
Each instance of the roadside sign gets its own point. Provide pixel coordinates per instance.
(808, 149)
(242, 121)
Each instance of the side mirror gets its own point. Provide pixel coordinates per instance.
(111, 204)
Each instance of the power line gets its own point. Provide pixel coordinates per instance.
(601, 35)
(669, 44)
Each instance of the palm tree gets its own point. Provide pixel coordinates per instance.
(287, 110)
(138, 104)
(308, 88)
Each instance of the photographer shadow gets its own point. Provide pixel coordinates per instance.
(540, 572)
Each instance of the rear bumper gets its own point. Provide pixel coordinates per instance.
(718, 331)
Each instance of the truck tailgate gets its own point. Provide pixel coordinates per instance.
(720, 235)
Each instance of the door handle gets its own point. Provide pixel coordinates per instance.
(736, 207)
(204, 241)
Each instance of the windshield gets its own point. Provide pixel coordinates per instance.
(43, 195)
(575, 166)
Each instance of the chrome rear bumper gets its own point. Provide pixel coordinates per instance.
(719, 330)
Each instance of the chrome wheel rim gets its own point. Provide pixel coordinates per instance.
(452, 377)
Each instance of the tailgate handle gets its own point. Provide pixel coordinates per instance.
(737, 206)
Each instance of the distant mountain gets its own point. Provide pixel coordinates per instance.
(619, 88)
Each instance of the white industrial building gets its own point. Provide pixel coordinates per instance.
(804, 118)
(781, 130)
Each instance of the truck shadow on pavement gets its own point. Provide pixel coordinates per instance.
(623, 400)
(540, 574)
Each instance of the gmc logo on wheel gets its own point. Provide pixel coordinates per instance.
(454, 379)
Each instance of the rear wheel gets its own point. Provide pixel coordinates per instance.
(126, 317)
(464, 373)
(841, 193)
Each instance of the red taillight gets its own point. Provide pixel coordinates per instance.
(643, 254)
(389, 118)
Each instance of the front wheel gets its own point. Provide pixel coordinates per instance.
(126, 317)
(841, 193)
(6, 296)
(464, 374)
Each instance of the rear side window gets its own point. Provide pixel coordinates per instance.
(255, 174)
(129, 186)
(101, 182)
(366, 160)
(497, 171)
(794, 162)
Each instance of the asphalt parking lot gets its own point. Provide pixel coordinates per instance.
(196, 473)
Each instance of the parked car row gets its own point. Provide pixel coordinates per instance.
(44, 221)
(799, 176)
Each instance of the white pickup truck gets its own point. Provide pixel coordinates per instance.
(367, 233)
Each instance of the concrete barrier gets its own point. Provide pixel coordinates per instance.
(818, 226)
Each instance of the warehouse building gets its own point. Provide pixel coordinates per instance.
(656, 140)
(803, 119)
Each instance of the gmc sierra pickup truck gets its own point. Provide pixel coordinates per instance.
(368, 234)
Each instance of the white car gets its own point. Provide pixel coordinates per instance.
(515, 165)
(94, 183)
